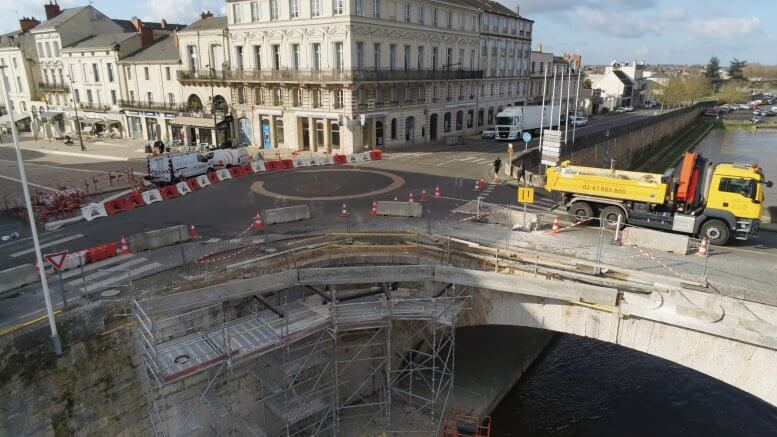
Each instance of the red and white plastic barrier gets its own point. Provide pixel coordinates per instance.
(203, 181)
(151, 196)
(93, 211)
(223, 175)
(183, 188)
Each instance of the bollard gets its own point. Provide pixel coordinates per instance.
(617, 240)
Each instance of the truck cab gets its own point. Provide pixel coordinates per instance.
(508, 125)
(735, 196)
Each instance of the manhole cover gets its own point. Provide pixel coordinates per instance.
(181, 359)
(110, 293)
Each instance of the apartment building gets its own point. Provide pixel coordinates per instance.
(18, 58)
(348, 75)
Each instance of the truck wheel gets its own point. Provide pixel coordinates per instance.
(609, 217)
(581, 211)
(716, 232)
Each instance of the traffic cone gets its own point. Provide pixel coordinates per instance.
(124, 248)
(703, 248)
(424, 196)
(193, 232)
(556, 227)
(258, 225)
(482, 184)
(344, 212)
(374, 210)
(437, 195)
(410, 200)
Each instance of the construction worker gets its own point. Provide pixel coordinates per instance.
(497, 166)
(521, 172)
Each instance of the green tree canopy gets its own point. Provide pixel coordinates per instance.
(712, 71)
(736, 70)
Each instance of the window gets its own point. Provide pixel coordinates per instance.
(339, 60)
(435, 16)
(362, 96)
(295, 56)
(459, 120)
(89, 99)
(131, 96)
(145, 73)
(435, 57)
(113, 97)
(316, 56)
(149, 97)
(257, 57)
(259, 96)
(236, 16)
(108, 68)
(420, 61)
(421, 14)
(472, 59)
(461, 59)
(406, 8)
(408, 94)
(293, 8)
(255, 11)
(96, 72)
(48, 49)
(41, 53)
(461, 20)
(19, 87)
(315, 98)
(315, 8)
(276, 57)
(129, 73)
(279, 131)
(359, 8)
(15, 65)
(450, 19)
(449, 58)
(376, 8)
(376, 54)
(170, 99)
(407, 57)
(446, 122)
(273, 9)
(744, 187)
(392, 56)
(335, 132)
(360, 55)
(338, 7)
(338, 99)
(277, 97)
(239, 57)
(167, 73)
(296, 97)
(393, 129)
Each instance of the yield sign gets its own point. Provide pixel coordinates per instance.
(56, 259)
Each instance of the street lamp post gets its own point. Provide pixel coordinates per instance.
(33, 229)
(75, 107)
(213, 103)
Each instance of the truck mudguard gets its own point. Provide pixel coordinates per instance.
(726, 216)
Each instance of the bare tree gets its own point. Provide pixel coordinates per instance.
(732, 92)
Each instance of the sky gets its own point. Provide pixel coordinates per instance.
(656, 31)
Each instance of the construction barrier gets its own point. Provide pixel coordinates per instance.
(169, 192)
(307, 162)
(193, 184)
(274, 165)
(656, 240)
(258, 166)
(93, 211)
(297, 162)
(286, 215)
(73, 261)
(114, 206)
(248, 169)
(236, 172)
(151, 196)
(19, 276)
(132, 201)
(288, 163)
(376, 155)
(223, 175)
(326, 160)
(203, 181)
(183, 188)
(213, 177)
(400, 209)
(159, 238)
(340, 159)
(99, 253)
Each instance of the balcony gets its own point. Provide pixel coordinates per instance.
(149, 105)
(54, 87)
(325, 76)
(96, 107)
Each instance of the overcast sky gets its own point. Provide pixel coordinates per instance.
(657, 31)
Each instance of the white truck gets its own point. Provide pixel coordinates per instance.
(512, 122)
(224, 158)
(175, 167)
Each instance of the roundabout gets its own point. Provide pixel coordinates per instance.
(319, 185)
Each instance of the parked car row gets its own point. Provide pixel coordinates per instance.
(624, 109)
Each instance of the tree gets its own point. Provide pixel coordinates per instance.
(737, 70)
(587, 84)
(732, 92)
(712, 72)
(684, 90)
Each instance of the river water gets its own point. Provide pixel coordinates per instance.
(583, 387)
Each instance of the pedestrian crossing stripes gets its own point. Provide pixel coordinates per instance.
(113, 272)
(46, 245)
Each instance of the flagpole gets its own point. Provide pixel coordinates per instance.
(569, 92)
(577, 100)
(542, 114)
(553, 98)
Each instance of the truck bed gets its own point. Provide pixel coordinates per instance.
(606, 183)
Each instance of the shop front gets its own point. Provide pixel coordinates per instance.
(150, 126)
(318, 132)
(201, 132)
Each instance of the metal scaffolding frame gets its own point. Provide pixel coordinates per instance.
(313, 362)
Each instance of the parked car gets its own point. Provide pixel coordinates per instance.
(225, 158)
(744, 106)
(578, 120)
(621, 110)
(174, 167)
(651, 104)
(711, 113)
(629, 109)
(488, 134)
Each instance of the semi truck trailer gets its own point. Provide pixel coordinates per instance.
(716, 202)
(512, 122)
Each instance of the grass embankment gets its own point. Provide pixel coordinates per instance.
(729, 124)
(666, 154)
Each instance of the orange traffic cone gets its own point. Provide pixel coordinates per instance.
(437, 194)
(556, 227)
(193, 232)
(703, 248)
(374, 210)
(258, 225)
(424, 196)
(124, 248)
(344, 212)
(411, 200)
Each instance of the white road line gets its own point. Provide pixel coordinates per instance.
(79, 155)
(447, 162)
(471, 158)
(107, 263)
(107, 271)
(121, 276)
(43, 246)
(43, 187)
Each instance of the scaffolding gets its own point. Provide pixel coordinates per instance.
(299, 362)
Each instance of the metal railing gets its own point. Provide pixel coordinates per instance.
(324, 76)
(54, 87)
(146, 104)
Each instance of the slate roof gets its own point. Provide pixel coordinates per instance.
(102, 41)
(129, 27)
(162, 50)
(63, 16)
(207, 24)
(10, 39)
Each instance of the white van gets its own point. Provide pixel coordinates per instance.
(171, 167)
(225, 158)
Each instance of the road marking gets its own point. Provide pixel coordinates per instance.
(43, 246)
(79, 155)
(43, 187)
(107, 271)
(58, 167)
(122, 276)
(27, 323)
(448, 162)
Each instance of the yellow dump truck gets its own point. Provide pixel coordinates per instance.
(698, 198)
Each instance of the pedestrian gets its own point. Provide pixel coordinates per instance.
(521, 172)
(497, 166)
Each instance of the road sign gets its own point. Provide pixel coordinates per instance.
(526, 136)
(525, 195)
(56, 259)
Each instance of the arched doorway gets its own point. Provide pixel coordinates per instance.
(220, 104)
(378, 133)
(459, 120)
(490, 116)
(410, 129)
(193, 103)
(433, 127)
(446, 122)
(393, 128)
(480, 117)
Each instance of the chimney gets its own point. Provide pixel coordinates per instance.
(163, 23)
(28, 23)
(137, 23)
(146, 36)
(52, 10)
(204, 15)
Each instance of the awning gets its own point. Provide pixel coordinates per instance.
(108, 122)
(51, 114)
(194, 121)
(17, 118)
(86, 120)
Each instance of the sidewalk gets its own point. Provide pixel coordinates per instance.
(120, 150)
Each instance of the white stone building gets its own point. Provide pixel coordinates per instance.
(18, 57)
(622, 85)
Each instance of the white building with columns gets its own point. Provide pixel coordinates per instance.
(18, 59)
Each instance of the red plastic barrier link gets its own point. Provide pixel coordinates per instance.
(288, 163)
(213, 178)
(169, 192)
(193, 184)
(247, 169)
(134, 200)
(236, 172)
(273, 165)
(376, 155)
(115, 206)
(340, 159)
(99, 253)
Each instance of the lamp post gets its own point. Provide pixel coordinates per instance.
(33, 229)
(212, 72)
(75, 107)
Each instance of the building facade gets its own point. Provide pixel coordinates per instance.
(622, 85)
(18, 59)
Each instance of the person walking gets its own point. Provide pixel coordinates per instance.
(497, 166)
(522, 172)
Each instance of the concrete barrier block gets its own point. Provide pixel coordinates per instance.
(73, 261)
(655, 240)
(159, 238)
(19, 276)
(223, 175)
(400, 209)
(258, 166)
(93, 211)
(513, 218)
(203, 181)
(151, 196)
(286, 215)
(183, 188)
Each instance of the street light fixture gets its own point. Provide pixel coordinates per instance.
(31, 215)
